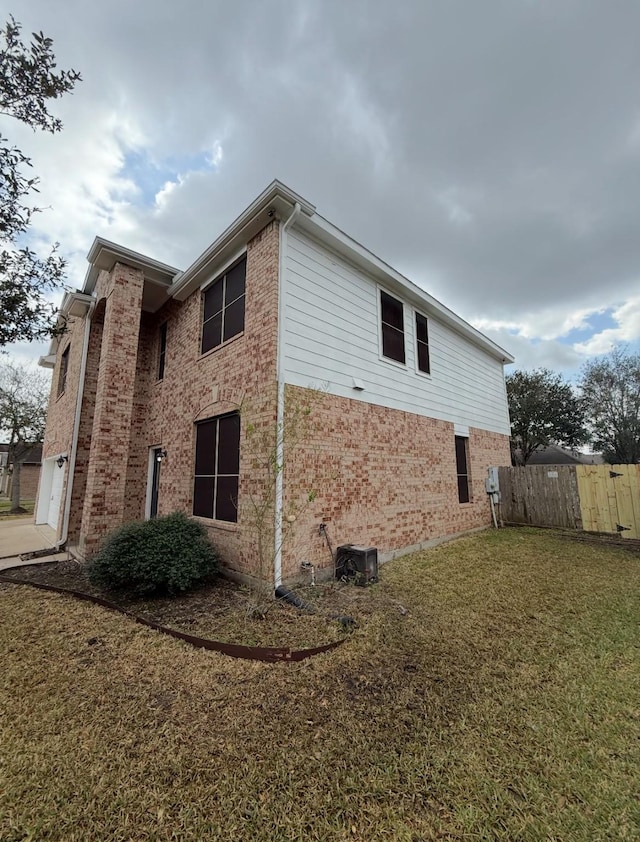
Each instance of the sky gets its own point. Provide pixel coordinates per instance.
(489, 151)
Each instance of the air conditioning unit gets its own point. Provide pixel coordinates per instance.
(357, 563)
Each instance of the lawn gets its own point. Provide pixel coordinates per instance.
(5, 506)
(491, 691)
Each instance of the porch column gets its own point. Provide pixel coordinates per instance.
(104, 501)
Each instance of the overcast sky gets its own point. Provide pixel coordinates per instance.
(490, 151)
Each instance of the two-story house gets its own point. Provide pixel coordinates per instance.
(170, 390)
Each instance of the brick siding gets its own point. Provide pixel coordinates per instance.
(382, 478)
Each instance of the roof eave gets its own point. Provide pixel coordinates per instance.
(74, 304)
(274, 202)
(104, 254)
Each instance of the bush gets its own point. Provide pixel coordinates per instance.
(166, 555)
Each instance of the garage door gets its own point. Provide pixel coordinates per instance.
(56, 496)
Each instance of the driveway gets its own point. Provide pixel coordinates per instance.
(19, 536)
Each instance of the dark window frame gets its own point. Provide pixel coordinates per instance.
(162, 350)
(215, 319)
(64, 370)
(215, 486)
(422, 344)
(392, 332)
(462, 469)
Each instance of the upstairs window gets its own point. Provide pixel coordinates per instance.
(392, 318)
(162, 350)
(422, 344)
(215, 491)
(462, 469)
(64, 367)
(224, 307)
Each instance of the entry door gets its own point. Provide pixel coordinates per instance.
(155, 481)
(55, 497)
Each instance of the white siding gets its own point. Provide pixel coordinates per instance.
(332, 334)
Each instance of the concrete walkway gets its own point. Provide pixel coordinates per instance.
(19, 536)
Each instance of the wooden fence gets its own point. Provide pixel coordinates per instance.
(596, 498)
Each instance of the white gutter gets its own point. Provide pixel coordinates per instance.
(76, 429)
(277, 562)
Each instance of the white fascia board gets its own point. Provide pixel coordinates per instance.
(104, 254)
(276, 202)
(324, 231)
(74, 304)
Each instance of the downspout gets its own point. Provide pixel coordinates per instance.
(76, 430)
(277, 559)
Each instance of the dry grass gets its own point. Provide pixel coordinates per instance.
(490, 692)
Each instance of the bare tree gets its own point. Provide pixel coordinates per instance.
(611, 392)
(24, 396)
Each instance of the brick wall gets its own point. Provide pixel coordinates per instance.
(29, 479)
(239, 373)
(382, 478)
(61, 412)
(105, 494)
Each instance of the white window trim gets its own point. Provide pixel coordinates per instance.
(381, 356)
(223, 269)
(429, 375)
(151, 460)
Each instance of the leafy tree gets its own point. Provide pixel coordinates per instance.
(544, 409)
(611, 391)
(27, 82)
(24, 395)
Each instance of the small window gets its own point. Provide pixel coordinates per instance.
(64, 367)
(422, 344)
(462, 469)
(392, 313)
(215, 491)
(224, 307)
(162, 350)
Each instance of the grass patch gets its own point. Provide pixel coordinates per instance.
(489, 692)
(26, 507)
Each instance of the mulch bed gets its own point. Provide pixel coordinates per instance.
(223, 610)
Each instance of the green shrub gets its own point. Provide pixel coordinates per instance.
(166, 555)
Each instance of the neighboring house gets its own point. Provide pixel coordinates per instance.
(554, 454)
(29, 472)
(149, 377)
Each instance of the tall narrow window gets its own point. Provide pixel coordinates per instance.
(215, 491)
(462, 469)
(224, 307)
(64, 367)
(162, 350)
(422, 344)
(392, 317)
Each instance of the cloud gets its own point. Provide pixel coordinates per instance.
(627, 331)
(489, 151)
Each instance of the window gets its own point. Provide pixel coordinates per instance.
(224, 307)
(422, 344)
(215, 491)
(392, 327)
(64, 367)
(162, 350)
(462, 469)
